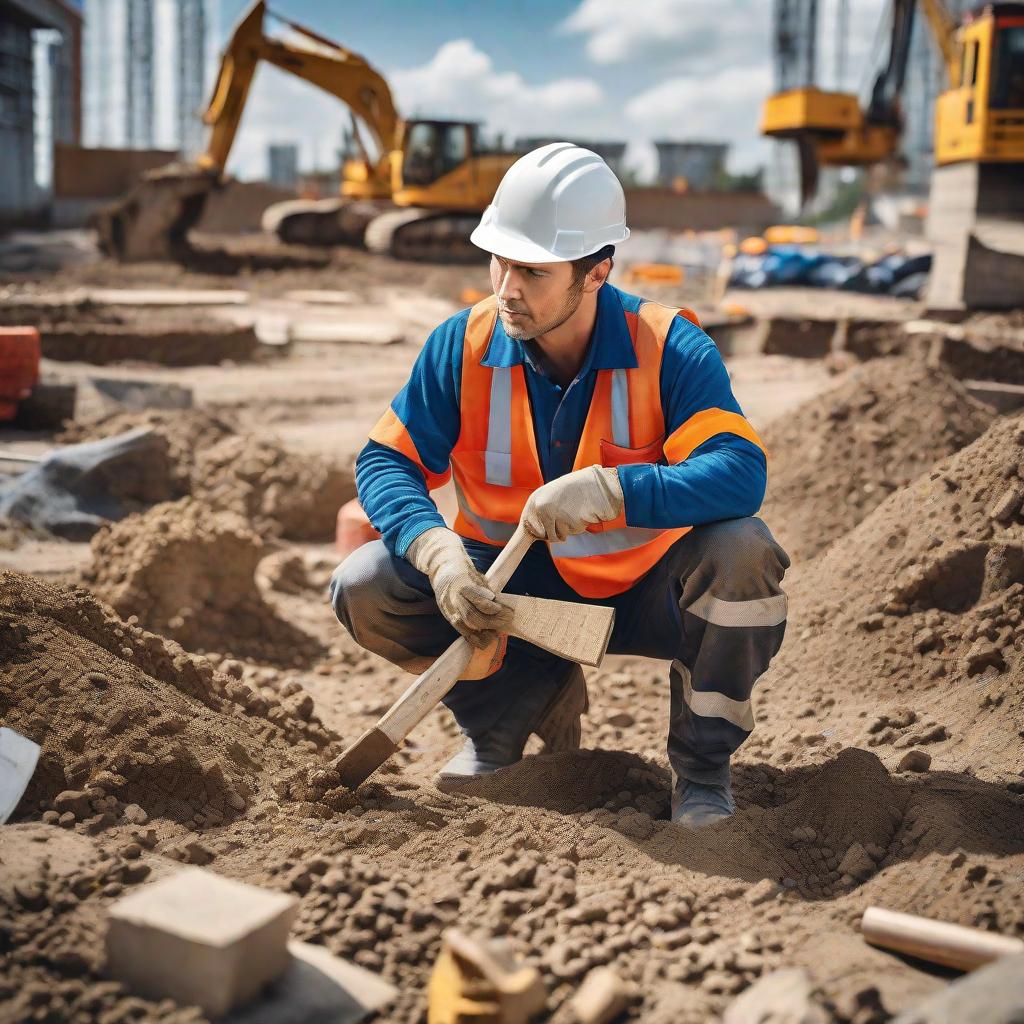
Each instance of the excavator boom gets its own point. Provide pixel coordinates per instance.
(153, 220)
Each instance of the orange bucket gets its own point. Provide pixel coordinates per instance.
(354, 528)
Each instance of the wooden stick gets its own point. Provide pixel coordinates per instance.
(377, 744)
(951, 945)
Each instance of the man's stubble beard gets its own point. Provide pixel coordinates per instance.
(573, 298)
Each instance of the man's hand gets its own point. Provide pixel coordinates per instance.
(462, 594)
(568, 505)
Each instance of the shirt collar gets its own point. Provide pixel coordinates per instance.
(611, 347)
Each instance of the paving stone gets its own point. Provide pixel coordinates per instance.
(199, 938)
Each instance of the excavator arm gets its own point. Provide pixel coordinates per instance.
(831, 128)
(309, 56)
(153, 220)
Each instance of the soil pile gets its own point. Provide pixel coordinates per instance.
(186, 570)
(52, 930)
(842, 454)
(280, 492)
(126, 717)
(918, 616)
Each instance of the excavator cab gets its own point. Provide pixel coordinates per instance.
(981, 116)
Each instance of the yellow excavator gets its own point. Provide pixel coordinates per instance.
(417, 197)
(976, 208)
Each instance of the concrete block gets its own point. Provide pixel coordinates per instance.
(199, 938)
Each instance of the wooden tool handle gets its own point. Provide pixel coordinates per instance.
(508, 559)
(426, 690)
(951, 945)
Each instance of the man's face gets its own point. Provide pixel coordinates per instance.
(534, 298)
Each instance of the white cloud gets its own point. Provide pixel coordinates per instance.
(699, 34)
(460, 80)
(722, 107)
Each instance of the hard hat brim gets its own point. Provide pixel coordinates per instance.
(509, 246)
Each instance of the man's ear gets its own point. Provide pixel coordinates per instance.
(598, 275)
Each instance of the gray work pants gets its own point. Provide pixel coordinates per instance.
(712, 605)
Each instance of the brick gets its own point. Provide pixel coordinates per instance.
(199, 938)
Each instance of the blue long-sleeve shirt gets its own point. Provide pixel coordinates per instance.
(724, 478)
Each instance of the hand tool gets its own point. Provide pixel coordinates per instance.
(577, 632)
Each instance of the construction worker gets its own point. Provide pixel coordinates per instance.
(607, 425)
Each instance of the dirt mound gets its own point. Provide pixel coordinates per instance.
(280, 492)
(294, 496)
(126, 717)
(186, 570)
(916, 617)
(842, 454)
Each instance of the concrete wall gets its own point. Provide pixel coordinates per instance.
(654, 208)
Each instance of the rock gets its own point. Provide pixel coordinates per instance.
(601, 997)
(926, 640)
(73, 801)
(1008, 504)
(621, 720)
(782, 997)
(856, 863)
(993, 994)
(982, 655)
(762, 892)
(915, 761)
(135, 815)
(873, 622)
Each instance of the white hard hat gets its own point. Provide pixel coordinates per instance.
(555, 204)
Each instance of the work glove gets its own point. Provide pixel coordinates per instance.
(464, 597)
(568, 505)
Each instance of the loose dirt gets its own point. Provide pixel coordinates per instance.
(884, 768)
(187, 570)
(281, 493)
(840, 455)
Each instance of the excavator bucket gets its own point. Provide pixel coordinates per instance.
(153, 220)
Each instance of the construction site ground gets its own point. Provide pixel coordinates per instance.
(190, 685)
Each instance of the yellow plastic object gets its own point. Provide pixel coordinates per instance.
(791, 234)
(477, 980)
(655, 273)
(753, 246)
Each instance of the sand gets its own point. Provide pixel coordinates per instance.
(282, 493)
(885, 766)
(842, 454)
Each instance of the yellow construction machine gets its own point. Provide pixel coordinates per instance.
(417, 196)
(976, 209)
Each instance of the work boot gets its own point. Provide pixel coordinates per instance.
(696, 804)
(557, 725)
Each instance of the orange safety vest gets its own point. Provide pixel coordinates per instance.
(495, 466)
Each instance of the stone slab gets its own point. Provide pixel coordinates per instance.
(199, 938)
(318, 988)
(991, 995)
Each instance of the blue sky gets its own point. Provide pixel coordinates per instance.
(631, 70)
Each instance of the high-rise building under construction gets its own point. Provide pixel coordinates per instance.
(145, 73)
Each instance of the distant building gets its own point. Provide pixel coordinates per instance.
(40, 53)
(283, 164)
(145, 74)
(698, 164)
(610, 152)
